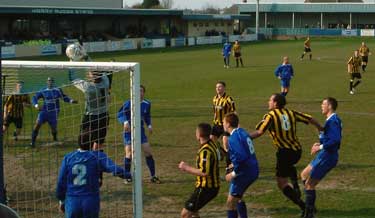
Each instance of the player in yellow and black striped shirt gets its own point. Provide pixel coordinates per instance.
(222, 104)
(282, 126)
(307, 48)
(354, 64)
(14, 109)
(207, 171)
(364, 52)
(237, 52)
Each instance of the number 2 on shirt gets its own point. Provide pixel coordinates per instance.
(80, 171)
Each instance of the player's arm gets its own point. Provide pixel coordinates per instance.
(232, 106)
(307, 119)
(350, 64)
(107, 165)
(147, 118)
(7, 102)
(27, 102)
(261, 127)
(35, 99)
(277, 72)
(333, 133)
(291, 71)
(62, 185)
(123, 116)
(66, 98)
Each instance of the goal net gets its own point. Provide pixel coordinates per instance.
(34, 149)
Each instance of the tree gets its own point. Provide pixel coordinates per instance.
(150, 3)
(168, 4)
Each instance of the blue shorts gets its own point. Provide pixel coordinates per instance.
(285, 83)
(82, 207)
(321, 166)
(50, 117)
(241, 182)
(128, 138)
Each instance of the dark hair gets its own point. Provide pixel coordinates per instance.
(332, 101)
(232, 119)
(143, 87)
(279, 99)
(204, 130)
(222, 83)
(84, 141)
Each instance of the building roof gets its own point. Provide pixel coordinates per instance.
(309, 7)
(215, 17)
(87, 11)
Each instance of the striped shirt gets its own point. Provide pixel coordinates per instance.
(207, 162)
(364, 51)
(14, 105)
(282, 126)
(222, 105)
(355, 63)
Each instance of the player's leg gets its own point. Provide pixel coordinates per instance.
(303, 55)
(310, 195)
(359, 78)
(100, 128)
(150, 161)
(186, 213)
(128, 156)
(42, 118)
(306, 173)
(197, 200)
(286, 159)
(232, 206)
(90, 206)
(18, 123)
(6, 123)
(310, 55)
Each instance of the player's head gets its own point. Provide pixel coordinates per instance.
(236, 42)
(220, 87)
(276, 101)
(84, 141)
(355, 53)
(142, 91)
(203, 131)
(363, 44)
(308, 38)
(94, 76)
(19, 86)
(50, 82)
(230, 121)
(329, 105)
(285, 59)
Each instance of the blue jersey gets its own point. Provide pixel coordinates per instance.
(50, 98)
(123, 115)
(241, 151)
(227, 48)
(80, 171)
(330, 138)
(284, 71)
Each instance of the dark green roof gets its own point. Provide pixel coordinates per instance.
(309, 7)
(94, 11)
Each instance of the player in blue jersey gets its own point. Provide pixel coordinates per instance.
(50, 110)
(227, 48)
(285, 73)
(78, 181)
(245, 166)
(123, 116)
(327, 151)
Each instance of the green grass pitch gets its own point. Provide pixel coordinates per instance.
(181, 83)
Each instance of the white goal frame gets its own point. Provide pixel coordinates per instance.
(135, 76)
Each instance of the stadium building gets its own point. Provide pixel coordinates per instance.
(105, 20)
(330, 14)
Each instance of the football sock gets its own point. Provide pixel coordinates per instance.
(351, 86)
(310, 57)
(292, 195)
(232, 213)
(303, 55)
(241, 62)
(356, 83)
(54, 135)
(127, 164)
(225, 61)
(241, 209)
(363, 67)
(310, 198)
(151, 165)
(34, 135)
(237, 62)
(285, 93)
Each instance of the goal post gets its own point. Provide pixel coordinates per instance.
(16, 70)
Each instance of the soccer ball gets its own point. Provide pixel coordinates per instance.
(75, 52)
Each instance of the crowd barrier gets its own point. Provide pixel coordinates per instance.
(121, 45)
(269, 32)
